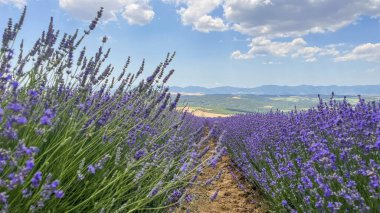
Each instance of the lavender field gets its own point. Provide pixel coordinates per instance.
(78, 134)
(325, 159)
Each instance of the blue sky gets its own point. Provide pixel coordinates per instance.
(243, 43)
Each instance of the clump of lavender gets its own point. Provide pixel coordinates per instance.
(324, 159)
(214, 195)
(76, 132)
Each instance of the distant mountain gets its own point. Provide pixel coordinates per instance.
(284, 90)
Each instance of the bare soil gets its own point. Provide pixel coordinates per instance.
(231, 197)
(203, 112)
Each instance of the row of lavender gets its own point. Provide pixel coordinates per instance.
(325, 159)
(73, 138)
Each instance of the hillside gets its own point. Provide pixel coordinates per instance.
(284, 90)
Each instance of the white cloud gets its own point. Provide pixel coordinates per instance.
(18, 3)
(197, 14)
(274, 18)
(294, 18)
(207, 23)
(365, 52)
(266, 20)
(138, 13)
(297, 48)
(313, 59)
(238, 55)
(134, 11)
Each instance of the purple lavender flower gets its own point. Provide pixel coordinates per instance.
(36, 179)
(376, 145)
(139, 154)
(45, 120)
(91, 169)
(33, 93)
(59, 194)
(150, 78)
(26, 193)
(49, 113)
(54, 184)
(330, 206)
(306, 182)
(327, 191)
(100, 164)
(184, 167)
(15, 84)
(29, 164)
(1, 113)
(175, 102)
(213, 196)
(188, 198)
(209, 181)
(3, 198)
(307, 200)
(155, 189)
(193, 179)
(174, 196)
(319, 204)
(16, 107)
(374, 181)
(21, 120)
(219, 175)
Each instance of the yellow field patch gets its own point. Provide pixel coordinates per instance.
(236, 97)
(202, 112)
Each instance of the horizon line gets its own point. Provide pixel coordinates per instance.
(207, 87)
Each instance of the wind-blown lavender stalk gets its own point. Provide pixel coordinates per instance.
(214, 196)
(76, 137)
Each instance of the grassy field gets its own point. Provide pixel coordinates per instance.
(233, 104)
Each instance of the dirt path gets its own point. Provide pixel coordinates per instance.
(233, 194)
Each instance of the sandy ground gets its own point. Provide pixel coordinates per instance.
(208, 114)
(234, 194)
(202, 113)
(231, 198)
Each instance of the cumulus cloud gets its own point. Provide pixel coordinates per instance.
(18, 3)
(365, 52)
(134, 11)
(294, 18)
(207, 23)
(274, 18)
(266, 20)
(138, 13)
(297, 48)
(270, 19)
(239, 55)
(197, 14)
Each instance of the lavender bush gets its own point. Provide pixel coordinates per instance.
(325, 159)
(76, 138)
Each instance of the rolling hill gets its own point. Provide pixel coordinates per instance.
(284, 90)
